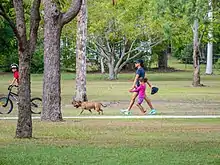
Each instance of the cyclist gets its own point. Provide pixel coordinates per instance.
(14, 69)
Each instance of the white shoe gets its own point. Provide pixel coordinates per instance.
(127, 113)
(123, 110)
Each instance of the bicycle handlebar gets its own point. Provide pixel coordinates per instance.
(11, 86)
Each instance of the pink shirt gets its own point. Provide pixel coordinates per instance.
(141, 90)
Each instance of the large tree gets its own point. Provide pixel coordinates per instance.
(81, 53)
(127, 31)
(199, 8)
(54, 20)
(189, 18)
(26, 47)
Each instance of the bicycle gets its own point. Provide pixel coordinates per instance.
(6, 104)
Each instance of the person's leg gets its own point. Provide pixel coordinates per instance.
(134, 96)
(140, 101)
(141, 108)
(148, 102)
(153, 111)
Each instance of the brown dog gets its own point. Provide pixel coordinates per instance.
(88, 106)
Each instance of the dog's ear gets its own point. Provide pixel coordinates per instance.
(80, 102)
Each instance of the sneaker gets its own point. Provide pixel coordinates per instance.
(152, 112)
(123, 110)
(127, 112)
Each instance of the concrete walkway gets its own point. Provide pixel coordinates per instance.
(125, 117)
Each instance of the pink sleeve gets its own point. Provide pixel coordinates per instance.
(137, 89)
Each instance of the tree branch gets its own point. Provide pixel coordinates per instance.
(156, 43)
(125, 62)
(34, 24)
(108, 44)
(130, 50)
(105, 51)
(72, 12)
(98, 46)
(122, 56)
(130, 58)
(132, 45)
(94, 51)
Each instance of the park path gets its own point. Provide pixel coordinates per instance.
(125, 117)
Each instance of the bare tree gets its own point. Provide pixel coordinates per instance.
(54, 20)
(81, 53)
(118, 54)
(26, 48)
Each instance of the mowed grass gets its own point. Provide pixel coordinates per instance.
(160, 142)
(176, 95)
(125, 141)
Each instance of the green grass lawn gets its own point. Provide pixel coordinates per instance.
(175, 97)
(161, 142)
(125, 141)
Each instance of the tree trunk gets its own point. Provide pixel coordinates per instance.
(24, 124)
(196, 75)
(81, 53)
(209, 58)
(112, 75)
(111, 72)
(51, 85)
(102, 65)
(163, 60)
(25, 51)
(54, 20)
(210, 44)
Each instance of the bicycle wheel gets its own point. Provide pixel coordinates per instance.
(6, 105)
(36, 105)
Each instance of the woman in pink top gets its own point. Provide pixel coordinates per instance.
(141, 93)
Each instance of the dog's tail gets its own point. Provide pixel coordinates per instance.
(103, 105)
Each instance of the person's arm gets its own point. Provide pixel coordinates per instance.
(136, 90)
(13, 81)
(135, 80)
(149, 84)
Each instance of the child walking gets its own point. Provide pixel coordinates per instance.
(141, 93)
(153, 111)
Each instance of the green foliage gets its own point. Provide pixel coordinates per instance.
(218, 64)
(184, 54)
(37, 62)
(68, 57)
(146, 20)
(8, 48)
